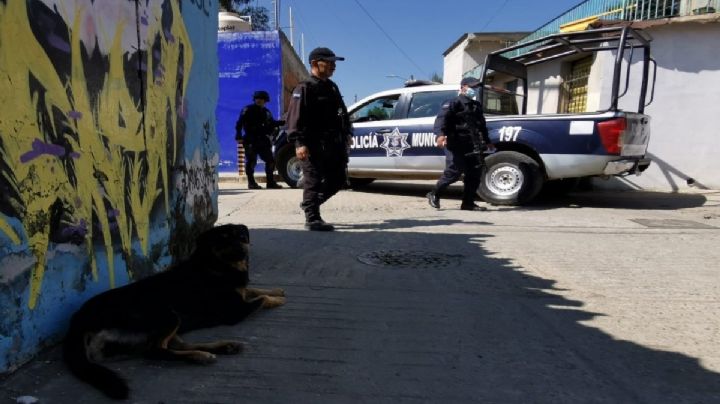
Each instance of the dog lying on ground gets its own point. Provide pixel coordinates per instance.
(146, 317)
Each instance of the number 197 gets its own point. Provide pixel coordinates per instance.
(509, 133)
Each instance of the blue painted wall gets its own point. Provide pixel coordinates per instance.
(108, 154)
(247, 62)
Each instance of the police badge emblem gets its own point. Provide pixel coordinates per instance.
(395, 143)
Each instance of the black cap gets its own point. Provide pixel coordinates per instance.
(470, 81)
(323, 54)
(263, 95)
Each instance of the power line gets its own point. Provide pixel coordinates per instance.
(492, 17)
(390, 38)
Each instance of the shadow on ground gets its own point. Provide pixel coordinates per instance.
(232, 191)
(642, 200)
(464, 328)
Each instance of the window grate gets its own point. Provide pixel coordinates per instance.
(576, 86)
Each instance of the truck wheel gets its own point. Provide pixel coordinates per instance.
(510, 178)
(288, 165)
(360, 182)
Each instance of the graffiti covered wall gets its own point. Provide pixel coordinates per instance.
(108, 152)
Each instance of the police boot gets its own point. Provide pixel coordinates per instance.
(252, 184)
(314, 222)
(271, 184)
(433, 199)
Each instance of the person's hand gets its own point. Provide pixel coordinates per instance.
(441, 141)
(302, 153)
(490, 148)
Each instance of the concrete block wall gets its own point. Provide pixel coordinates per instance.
(108, 152)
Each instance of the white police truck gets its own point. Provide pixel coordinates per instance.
(393, 130)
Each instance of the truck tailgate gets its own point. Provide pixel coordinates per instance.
(635, 138)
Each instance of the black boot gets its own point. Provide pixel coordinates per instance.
(314, 222)
(433, 199)
(269, 170)
(252, 184)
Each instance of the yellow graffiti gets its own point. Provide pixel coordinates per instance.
(118, 169)
(9, 231)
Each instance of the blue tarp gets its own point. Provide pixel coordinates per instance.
(247, 62)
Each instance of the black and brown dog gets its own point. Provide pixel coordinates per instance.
(146, 317)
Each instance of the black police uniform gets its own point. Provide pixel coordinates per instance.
(462, 121)
(317, 118)
(258, 125)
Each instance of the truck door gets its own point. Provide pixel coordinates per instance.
(419, 152)
(371, 121)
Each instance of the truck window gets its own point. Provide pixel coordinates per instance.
(428, 103)
(499, 102)
(379, 109)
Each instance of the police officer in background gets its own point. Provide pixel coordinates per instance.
(461, 130)
(257, 122)
(319, 125)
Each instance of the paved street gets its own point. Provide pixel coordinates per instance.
(595, 297)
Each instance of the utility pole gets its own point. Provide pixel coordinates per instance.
(276, 9)
(302, 46)
(292, 40)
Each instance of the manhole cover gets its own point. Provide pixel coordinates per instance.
(672, 224)
(409, 259)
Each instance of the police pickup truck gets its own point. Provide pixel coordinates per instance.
(393, 130)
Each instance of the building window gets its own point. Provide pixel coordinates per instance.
(575, 86)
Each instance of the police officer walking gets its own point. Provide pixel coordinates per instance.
(319, 125)
(258, 125)
(461, 130)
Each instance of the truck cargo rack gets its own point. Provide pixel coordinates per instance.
(562, 45)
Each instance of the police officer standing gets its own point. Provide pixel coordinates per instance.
(461, 130)
(319, 125)
(257, 122)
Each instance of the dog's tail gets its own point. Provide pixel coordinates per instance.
(98, 376)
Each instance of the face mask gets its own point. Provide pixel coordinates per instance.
(470, 92)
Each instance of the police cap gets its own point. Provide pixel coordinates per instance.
(263, 95)
(470, 81)
(323, 54)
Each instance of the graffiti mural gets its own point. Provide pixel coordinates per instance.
(94, 140)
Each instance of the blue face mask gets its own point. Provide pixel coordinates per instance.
(470, 92)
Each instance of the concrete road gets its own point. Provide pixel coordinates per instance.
(595, 297)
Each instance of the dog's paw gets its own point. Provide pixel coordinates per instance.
(273, 301)
(231, 348)
(204, 358)
(277, 292)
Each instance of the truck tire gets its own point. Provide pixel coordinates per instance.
(288, 165)
(510, 178)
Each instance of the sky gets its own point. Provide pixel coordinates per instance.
(403, 38)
